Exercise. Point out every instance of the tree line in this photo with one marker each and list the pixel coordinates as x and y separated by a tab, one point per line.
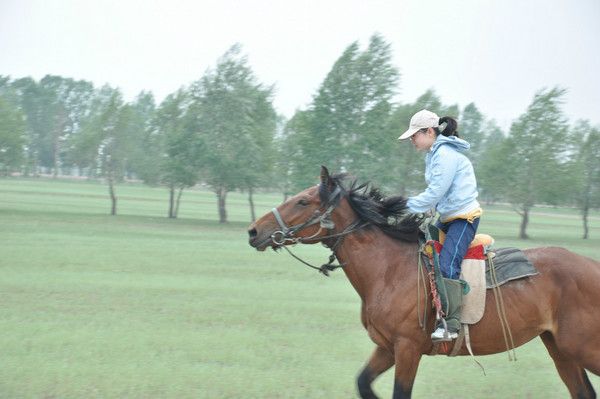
223	131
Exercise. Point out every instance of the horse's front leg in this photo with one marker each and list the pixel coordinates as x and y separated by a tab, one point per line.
407	358
381	360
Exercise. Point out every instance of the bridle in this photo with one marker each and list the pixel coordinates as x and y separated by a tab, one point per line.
287	234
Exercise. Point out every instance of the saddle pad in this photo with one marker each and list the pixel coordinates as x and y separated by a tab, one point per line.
473	306
510	264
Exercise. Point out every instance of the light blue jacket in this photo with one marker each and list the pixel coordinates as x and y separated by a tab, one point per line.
451	185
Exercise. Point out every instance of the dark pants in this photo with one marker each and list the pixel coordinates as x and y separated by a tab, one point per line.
459	234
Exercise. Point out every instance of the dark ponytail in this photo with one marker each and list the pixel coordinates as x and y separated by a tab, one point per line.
448	126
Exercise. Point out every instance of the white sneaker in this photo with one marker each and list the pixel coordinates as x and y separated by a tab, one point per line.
438	335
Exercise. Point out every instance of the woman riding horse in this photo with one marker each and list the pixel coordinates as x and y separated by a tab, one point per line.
451	191
377	242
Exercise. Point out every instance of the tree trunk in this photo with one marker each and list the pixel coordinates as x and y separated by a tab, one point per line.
111	190
221	196
30	165
585	212
178	201
55	150
251	201
171	202
35	166
59	128
524	221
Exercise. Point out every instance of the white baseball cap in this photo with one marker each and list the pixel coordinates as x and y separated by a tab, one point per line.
420	120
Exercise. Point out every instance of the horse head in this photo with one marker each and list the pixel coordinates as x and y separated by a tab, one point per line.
304	218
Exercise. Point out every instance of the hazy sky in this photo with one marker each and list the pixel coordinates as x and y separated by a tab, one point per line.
495	53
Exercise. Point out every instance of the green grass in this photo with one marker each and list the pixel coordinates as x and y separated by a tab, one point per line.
141	306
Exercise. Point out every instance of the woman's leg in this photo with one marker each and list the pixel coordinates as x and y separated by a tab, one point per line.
459	234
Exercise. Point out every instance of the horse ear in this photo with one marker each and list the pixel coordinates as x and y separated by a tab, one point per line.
326	180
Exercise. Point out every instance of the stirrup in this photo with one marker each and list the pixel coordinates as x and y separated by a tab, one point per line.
443	335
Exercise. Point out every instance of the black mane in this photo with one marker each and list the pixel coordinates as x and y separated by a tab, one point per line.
390	214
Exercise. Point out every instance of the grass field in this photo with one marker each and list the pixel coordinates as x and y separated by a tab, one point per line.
141	306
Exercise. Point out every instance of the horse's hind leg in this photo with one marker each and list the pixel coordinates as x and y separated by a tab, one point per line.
573	375
380	361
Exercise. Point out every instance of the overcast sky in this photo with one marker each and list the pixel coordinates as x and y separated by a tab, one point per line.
494	53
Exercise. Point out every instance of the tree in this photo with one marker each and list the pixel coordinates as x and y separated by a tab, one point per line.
260	155
106	139
143	158
54	109
535	154
12	137
29	99
283	151
235	120
4	84
587	170
471	129
63	103
178	148
347	126
377	81
296	155
493	133
492	177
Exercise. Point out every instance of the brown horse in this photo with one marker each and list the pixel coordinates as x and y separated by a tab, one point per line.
376	241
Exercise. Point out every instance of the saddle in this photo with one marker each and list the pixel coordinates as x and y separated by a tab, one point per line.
484	268
481	269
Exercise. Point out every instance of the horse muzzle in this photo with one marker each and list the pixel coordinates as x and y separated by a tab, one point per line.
259	240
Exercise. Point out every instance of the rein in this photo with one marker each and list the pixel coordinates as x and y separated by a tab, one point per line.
329	266
287	234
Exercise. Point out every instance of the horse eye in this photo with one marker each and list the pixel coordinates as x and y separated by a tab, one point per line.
303	202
